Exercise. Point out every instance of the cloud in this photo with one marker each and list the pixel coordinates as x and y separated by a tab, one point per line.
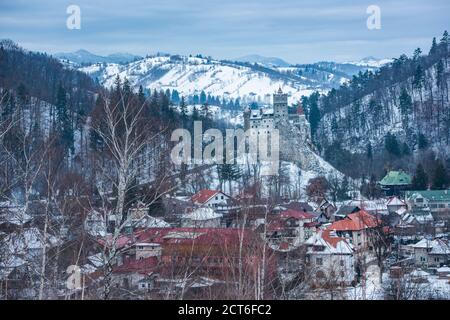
296	30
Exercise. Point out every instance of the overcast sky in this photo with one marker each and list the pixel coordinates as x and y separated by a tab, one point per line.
299	31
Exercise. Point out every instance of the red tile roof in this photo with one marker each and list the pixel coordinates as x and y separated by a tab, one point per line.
355	221
196	235
332	240
311	224
203	195
145	266
300	215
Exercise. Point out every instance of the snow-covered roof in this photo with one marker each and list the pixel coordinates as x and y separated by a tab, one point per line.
401	211
332	245
419	273
201	214
378	205
395	201
152	222
443	269
437	246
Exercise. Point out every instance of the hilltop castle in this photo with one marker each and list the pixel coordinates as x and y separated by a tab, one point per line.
265	119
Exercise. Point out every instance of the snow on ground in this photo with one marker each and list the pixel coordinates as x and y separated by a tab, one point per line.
190	75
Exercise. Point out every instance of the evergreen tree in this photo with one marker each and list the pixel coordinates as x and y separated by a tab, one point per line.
141	96
417	54
419	78
420	179
314	113
440	177
195	115
63	121
183	108
444	43
406	151
440	71
202	97
175	97
369	151
434	47
205	111
422	141
391	144
405	102
195	99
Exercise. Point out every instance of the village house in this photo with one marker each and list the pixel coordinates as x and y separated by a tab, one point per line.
437	201
354	227
168	254
290	228
394	204
431	253
330	259
343	211
325	210
203	217
219	201
395	182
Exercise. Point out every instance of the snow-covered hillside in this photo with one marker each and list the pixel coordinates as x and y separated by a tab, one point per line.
191	75
371	62
370	118
230	79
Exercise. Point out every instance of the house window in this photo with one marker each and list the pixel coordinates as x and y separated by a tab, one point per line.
422	259
342	274
221	197
341	263
319	261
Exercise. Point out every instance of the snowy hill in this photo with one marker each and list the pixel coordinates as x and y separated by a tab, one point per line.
191	75
371	62
253	78
86	57
265	61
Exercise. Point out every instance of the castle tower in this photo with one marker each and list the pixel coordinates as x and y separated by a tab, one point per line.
280	105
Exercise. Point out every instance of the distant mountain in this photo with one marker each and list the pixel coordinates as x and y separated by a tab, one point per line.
192	75
328	73
85	57
371	62
265	61
248	81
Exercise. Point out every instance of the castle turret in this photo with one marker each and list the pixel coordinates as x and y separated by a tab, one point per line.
280	105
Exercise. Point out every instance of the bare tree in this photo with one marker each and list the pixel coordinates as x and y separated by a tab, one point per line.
126	134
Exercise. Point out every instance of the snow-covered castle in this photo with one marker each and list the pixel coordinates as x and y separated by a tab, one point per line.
265	119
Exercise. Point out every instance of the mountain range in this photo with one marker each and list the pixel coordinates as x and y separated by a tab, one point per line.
85	57
249	78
